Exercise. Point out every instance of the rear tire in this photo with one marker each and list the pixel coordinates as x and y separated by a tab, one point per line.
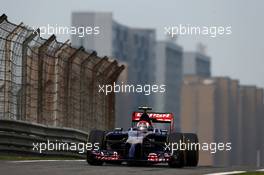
95	136
177	160
192	155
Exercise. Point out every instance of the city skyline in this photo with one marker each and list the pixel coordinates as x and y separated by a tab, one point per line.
238	56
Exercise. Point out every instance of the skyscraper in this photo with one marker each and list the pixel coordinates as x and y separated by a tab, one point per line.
135	46
196	63
220	110
169	72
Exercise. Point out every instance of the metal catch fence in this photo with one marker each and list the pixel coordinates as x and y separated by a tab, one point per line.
52	83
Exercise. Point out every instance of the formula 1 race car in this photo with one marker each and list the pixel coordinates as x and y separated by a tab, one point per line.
144	143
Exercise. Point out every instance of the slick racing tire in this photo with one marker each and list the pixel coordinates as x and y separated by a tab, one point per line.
177	160
192	154
95	136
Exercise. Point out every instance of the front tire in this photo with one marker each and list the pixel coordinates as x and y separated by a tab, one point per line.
192	155
95	136
177	160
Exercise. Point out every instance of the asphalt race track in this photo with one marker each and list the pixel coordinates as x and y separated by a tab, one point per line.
77	167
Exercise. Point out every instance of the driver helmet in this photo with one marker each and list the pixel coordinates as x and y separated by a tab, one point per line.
143	125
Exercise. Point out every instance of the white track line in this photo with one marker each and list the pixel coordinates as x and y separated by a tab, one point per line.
226	173
260	170
32	161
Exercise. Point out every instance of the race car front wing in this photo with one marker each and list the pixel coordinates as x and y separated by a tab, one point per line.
111	156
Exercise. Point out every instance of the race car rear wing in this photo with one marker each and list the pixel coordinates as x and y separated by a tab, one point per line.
154	116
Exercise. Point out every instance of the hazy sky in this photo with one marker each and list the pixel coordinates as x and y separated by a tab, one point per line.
240	55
